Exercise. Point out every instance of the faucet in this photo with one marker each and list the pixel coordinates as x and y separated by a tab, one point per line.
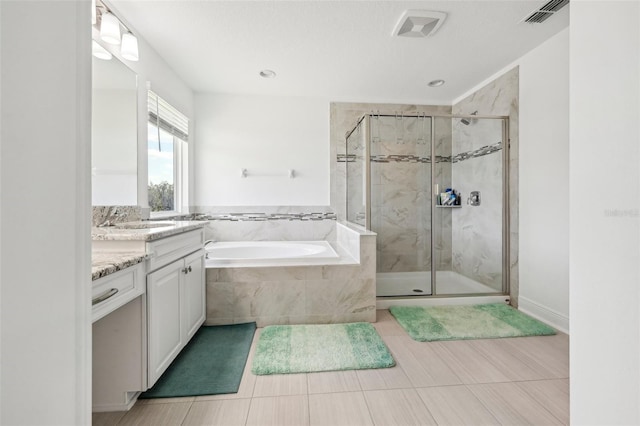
206	243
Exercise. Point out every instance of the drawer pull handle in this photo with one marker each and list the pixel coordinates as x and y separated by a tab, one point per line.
104	296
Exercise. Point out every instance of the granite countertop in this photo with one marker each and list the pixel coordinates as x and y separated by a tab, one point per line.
144	231
105	263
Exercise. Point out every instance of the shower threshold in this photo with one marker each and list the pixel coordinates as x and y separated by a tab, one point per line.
419	284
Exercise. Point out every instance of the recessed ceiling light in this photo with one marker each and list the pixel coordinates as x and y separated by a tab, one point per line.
267	74
436	83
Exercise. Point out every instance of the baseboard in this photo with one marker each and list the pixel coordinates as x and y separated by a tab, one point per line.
126	406
544	314
386	302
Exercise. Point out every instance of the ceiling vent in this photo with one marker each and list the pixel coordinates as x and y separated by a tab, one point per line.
418	23
546	11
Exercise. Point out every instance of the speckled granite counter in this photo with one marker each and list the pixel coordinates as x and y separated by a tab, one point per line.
138	231
108	257
105	263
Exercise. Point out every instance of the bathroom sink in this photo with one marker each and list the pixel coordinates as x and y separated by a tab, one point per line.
143	225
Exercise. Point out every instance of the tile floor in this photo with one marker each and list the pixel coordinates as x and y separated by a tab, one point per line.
474	382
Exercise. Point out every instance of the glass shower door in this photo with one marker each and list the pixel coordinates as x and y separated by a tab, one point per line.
400	178
469	205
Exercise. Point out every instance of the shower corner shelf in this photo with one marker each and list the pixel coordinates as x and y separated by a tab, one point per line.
448	207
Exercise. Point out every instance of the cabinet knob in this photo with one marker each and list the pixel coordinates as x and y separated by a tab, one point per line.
189	268
185	270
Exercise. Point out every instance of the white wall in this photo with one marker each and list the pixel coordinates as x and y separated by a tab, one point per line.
544	181
267	135
604	184
45	213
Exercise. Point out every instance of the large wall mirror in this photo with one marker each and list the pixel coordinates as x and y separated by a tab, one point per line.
114	134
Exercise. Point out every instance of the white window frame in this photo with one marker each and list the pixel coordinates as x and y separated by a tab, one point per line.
180	161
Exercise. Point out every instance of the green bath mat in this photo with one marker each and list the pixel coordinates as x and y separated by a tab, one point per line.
286	349
427	324
212	363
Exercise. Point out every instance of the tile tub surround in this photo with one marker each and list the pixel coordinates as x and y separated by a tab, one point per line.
317	294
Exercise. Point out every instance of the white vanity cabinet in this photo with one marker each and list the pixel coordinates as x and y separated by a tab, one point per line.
175	297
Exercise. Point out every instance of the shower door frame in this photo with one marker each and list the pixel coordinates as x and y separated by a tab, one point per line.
506	210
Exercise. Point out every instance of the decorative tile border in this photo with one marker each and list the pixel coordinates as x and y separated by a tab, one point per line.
480	152
485	150
262	217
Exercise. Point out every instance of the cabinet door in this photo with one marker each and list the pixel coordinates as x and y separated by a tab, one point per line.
164	322
193	295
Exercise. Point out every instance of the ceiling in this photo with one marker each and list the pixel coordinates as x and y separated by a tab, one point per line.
340	50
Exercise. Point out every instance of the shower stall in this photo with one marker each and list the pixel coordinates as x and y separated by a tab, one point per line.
435	190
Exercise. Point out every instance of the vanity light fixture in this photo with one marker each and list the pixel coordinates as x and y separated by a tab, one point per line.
100	52
267	74
110	28
436	83
129	48
110	32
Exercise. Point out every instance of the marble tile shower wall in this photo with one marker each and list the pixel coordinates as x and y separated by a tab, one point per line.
343	118
401	194
477	231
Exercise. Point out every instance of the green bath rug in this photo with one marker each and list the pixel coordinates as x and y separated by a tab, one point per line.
212	363
286	349
428	324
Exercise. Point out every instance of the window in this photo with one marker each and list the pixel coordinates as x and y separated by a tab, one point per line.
167	154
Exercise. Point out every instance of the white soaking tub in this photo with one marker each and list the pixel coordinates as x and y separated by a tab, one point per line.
241	252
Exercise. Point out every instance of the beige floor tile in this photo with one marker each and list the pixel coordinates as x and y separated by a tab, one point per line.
387	325
456	405
383	378
548	355
279	411
398	407
552	395
227	412
280	384
468	363
422	365
170	414
336	409
506	358
107	419
333	381
511	405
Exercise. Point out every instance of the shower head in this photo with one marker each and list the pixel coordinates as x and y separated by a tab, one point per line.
467	121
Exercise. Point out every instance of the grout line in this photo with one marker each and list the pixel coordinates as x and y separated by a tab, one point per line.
187	413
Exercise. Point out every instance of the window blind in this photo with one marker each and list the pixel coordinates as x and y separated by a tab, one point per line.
169	119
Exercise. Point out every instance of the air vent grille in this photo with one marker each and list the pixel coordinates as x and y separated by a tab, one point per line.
555	5
546	11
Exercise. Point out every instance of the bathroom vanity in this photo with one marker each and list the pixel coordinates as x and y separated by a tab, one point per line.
148	302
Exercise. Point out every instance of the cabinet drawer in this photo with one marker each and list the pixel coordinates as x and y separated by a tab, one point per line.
113	291
164	251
